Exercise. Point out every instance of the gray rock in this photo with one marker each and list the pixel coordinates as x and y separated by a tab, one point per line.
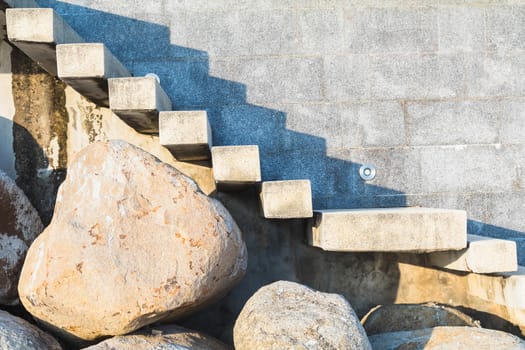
287	315
17	334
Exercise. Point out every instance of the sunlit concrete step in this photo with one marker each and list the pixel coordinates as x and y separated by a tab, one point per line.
37	31
389	230
286	199
138	102
87	68
187	134
482	255
235	167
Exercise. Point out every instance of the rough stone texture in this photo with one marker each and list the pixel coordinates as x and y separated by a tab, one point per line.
235	166
482	255
447	338
407	317
19	226
16	333
161	337
389	230
99	251
286	199
187	134
287	315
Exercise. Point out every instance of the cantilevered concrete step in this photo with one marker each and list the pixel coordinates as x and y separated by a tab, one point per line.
286	199
187	134
389	230
235	167
482	255
138	102
37	31
87	68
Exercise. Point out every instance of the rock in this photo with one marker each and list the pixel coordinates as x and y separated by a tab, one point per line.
444	338
162	337
16	333
132	241
19	226
286	315
407	317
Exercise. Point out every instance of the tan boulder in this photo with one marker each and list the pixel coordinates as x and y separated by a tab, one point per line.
447	338
16	333
132	241
287	315
19	226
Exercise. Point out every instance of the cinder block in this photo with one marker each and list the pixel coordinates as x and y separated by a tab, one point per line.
461	28
504	27
37	31
235	167
389	230
187	134
138	102
86	68
286	199
482	255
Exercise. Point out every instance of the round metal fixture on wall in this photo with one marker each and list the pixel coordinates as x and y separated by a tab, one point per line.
367	172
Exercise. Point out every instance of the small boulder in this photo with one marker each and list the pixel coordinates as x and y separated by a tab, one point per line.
132	241
440	338
407	317
19	226
16	333
161	337
287	315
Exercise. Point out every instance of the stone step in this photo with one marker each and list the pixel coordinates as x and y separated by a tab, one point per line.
286	199
482	255
87	68
235	167
415	230
138	101
187	134
37	32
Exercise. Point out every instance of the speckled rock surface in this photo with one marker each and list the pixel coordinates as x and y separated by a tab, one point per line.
447	338
132	241
288	315
16	333
19	226
161	337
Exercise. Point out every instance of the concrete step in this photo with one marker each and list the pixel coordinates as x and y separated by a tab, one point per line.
286	199
138	102
37	32
235	167
87	68
415	230
187	134
482	255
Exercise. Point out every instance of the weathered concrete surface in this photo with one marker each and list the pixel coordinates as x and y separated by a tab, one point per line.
235	167
447	338
286	199
19	226
16	333
187	134
37	31
407	317
389	230
482	255
86	68
101	273
161	337
285	315
138	101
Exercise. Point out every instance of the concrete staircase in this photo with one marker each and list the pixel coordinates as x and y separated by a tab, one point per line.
94	72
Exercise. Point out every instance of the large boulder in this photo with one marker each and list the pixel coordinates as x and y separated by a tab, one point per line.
445	338
132	241
19	226
16	333
287	315
161	337
407	317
